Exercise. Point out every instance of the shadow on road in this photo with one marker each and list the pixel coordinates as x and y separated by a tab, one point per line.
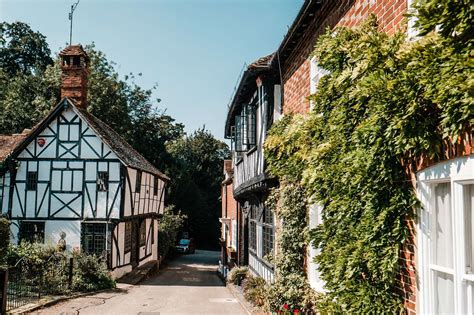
199	269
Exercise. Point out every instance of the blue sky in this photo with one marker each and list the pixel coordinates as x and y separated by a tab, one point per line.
193	49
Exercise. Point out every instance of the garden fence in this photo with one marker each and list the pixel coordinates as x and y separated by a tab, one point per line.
27	282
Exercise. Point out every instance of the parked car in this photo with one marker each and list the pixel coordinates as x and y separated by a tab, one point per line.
186	246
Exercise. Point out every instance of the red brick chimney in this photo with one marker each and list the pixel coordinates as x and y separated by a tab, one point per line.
74	66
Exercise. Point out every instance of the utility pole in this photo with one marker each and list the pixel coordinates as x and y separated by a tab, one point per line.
73	8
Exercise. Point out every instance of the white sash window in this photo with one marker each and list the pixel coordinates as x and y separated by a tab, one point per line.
445	258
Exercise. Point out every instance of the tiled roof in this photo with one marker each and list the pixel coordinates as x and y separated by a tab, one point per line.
125	152
73	50
263	62
9	143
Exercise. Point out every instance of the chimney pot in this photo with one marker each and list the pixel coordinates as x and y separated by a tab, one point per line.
74	72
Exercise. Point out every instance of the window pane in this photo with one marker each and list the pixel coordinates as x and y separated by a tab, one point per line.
442	254
468	297
444	293
469	227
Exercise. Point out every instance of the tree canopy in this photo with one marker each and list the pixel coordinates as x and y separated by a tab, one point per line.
195	190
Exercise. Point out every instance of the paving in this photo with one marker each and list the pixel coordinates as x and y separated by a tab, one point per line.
187	285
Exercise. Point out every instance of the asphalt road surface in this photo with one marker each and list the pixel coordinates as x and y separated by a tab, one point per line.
187	285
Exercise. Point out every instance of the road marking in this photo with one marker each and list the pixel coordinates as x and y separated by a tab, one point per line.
223	300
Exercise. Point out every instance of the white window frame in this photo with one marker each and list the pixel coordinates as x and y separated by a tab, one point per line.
315	219
458	172
234	234
316	73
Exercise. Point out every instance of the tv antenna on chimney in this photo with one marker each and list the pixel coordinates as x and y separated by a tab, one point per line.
73	8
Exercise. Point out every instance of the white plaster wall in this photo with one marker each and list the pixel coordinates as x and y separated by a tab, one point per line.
72	229
41	202
145	201
156	244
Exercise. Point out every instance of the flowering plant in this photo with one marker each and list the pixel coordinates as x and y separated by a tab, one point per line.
287	310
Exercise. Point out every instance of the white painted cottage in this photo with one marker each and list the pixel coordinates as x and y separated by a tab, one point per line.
72	173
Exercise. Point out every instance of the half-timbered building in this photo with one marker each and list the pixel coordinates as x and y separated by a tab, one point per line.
74	177
250	115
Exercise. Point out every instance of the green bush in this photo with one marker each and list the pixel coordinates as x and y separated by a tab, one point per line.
4	239
237	274
255	291
90	273
168	229
42	265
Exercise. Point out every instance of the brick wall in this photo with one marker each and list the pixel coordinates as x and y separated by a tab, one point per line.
296	67
229	206
406	279
74	84
296	89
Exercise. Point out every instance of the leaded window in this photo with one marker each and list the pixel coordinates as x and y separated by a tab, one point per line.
253	229
138	182
267	231
251	124
253	235
238	141
143	233
32	181
128	237
32	232
152	232
102	181
155	185
94	238
267	239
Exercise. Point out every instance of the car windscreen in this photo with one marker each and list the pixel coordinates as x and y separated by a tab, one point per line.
184	242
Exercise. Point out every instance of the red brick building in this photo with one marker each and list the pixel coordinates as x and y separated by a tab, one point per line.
425	285
313	19
230	230
300	76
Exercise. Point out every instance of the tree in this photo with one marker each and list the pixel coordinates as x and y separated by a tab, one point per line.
26	87
195	188
22	49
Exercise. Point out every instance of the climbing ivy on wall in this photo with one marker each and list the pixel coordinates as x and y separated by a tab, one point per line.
291	286
385	102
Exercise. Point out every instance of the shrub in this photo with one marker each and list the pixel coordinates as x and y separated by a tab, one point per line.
168	230
90	273
237	274
255	291
42	265
4	239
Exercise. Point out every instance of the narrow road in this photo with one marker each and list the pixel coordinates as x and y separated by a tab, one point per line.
187	285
